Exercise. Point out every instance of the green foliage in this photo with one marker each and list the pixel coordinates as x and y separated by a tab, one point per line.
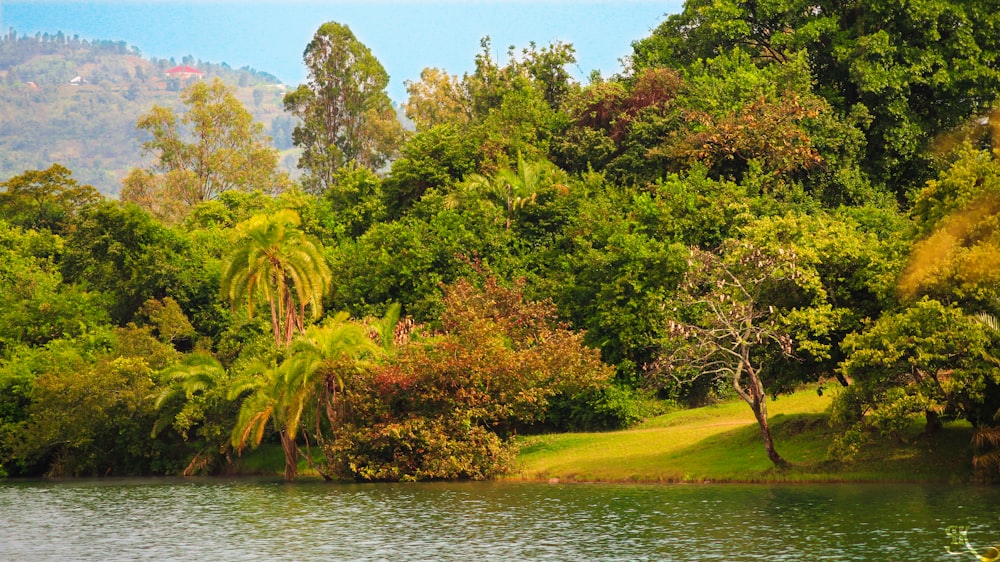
90	409
35	305
356	200
124	253
346	115
45	199
929	359
301	392
912	70
606	408
436	158
274	262
229	151
422	448
408	260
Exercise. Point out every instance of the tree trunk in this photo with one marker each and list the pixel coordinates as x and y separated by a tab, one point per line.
291	455
758	403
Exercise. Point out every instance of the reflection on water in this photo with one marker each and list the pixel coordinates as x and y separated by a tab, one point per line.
266	520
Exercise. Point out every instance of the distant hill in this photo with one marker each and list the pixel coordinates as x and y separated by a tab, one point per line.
75	102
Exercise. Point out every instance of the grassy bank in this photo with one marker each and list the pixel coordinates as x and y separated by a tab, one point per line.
721	443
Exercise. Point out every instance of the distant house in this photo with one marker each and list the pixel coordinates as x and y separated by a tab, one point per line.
184	72
78	80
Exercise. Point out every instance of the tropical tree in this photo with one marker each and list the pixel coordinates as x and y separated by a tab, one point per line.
316	368
346	114
303	388
513	189
194	401
276	263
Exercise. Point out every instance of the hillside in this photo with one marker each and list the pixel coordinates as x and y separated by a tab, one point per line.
75	102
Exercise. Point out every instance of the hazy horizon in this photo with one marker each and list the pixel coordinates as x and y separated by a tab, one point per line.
406	36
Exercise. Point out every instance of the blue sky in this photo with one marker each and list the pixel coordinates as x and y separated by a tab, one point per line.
406	36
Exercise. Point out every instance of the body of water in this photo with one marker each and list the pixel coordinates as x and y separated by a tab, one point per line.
475	521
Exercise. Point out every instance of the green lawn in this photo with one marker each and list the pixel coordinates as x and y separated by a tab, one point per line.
722	443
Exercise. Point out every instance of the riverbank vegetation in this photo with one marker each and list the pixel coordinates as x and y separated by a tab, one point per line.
765	198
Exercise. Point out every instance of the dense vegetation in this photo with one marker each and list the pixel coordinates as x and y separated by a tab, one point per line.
769	195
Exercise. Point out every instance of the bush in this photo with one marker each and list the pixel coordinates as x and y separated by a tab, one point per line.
605	408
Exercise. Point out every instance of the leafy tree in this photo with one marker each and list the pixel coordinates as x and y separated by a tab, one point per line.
356	200
123	252
346	114
929	360
91	408
36	306
855	255
612	274
735	321
167	321
276	263
437	158
911	70
228	151
437	99
45	199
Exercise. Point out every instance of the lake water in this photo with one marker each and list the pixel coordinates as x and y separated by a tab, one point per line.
268	520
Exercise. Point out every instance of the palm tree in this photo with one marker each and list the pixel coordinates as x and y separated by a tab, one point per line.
264	404
513	189
304	387
196	374
191	387
986	438
275	262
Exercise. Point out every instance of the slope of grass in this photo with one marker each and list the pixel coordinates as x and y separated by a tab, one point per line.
722	443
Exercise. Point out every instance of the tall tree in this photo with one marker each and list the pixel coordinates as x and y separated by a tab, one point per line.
438	98
228	151
346	114
275	262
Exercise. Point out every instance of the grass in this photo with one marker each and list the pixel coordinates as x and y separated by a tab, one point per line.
268	459
721	443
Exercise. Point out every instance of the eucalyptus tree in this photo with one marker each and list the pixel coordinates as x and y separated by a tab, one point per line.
277	263
346	115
